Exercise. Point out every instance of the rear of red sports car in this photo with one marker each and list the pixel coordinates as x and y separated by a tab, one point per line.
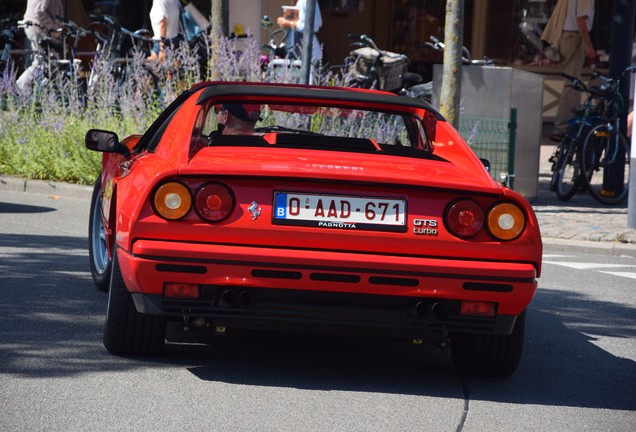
382	223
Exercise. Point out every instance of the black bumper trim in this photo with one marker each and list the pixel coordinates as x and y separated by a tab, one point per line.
326	312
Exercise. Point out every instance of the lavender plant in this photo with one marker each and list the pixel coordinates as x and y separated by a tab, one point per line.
42	128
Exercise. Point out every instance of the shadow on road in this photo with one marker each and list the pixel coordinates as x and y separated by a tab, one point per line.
51	319
561	364
23	208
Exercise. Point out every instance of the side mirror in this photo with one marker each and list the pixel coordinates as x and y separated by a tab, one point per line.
486	163
266	21
104	141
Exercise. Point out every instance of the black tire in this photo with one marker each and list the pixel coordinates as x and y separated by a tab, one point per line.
568	179
606	167
128	332
554	168
489	355
99	258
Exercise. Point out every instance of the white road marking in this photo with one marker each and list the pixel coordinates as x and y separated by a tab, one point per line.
586	266
621	274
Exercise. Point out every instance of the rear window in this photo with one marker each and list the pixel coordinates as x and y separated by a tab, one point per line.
322	127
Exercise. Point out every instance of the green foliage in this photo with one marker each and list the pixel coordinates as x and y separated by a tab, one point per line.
42	128
49	144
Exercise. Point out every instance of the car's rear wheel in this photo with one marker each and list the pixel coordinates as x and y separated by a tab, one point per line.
128	332
489	355
100	260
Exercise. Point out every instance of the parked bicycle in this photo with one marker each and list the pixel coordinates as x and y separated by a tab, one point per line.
118	49
467	58
56	63
593	154
281	63
372	67
425	91
605	153
8	42
566	164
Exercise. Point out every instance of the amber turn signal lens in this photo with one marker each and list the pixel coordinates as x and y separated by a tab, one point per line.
172	200
465	218
506	221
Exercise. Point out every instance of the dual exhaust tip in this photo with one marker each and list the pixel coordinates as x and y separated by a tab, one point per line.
245	298
436	309
231	298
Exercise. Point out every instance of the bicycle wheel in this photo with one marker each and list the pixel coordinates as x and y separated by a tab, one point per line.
555	158
568	179
605	162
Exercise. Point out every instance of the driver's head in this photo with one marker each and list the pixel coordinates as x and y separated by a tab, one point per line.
244	112
238	119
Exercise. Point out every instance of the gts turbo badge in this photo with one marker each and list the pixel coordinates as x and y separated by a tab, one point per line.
425	227
254	210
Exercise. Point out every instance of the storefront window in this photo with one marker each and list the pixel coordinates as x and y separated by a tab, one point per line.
507	31
514	30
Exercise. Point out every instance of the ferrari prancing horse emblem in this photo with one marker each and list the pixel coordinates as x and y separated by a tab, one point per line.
254	210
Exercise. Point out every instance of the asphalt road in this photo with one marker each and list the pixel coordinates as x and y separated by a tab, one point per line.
578	371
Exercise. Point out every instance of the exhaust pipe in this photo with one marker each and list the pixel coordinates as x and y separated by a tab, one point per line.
439	309
228	298
420	308
245	299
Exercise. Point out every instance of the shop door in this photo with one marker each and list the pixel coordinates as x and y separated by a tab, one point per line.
339	19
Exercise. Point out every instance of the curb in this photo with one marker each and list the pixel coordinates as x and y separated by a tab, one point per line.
17	184
612	247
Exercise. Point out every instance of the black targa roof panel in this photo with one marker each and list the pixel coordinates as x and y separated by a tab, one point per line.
310	92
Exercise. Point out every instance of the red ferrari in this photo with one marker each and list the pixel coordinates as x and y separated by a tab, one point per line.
310	209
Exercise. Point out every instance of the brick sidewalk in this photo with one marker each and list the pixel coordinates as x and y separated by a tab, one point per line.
581	218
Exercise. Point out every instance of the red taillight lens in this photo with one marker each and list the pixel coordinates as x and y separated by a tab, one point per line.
172	200
464	218
214	202
475	308
180	290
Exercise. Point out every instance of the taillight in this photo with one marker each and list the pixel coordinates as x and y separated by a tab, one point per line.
180	290
213	202
476	308
506	221
464	218
172	200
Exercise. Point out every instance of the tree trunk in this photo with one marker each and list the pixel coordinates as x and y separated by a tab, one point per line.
450	95
216	30
216	13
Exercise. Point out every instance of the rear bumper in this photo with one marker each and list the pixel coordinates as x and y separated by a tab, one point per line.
265	287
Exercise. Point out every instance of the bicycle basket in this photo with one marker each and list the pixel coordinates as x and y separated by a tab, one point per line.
390	68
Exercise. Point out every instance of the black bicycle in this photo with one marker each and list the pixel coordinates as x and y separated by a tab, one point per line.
605	152
566	162
373	67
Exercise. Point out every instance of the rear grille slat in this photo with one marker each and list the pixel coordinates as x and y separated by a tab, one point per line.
331	309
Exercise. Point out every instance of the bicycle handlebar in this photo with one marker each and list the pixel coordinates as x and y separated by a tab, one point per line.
437	45
366	40
26	23
595	91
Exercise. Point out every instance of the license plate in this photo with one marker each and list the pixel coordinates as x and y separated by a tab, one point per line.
339	211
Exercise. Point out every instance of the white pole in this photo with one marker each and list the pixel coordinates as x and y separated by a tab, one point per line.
631	200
